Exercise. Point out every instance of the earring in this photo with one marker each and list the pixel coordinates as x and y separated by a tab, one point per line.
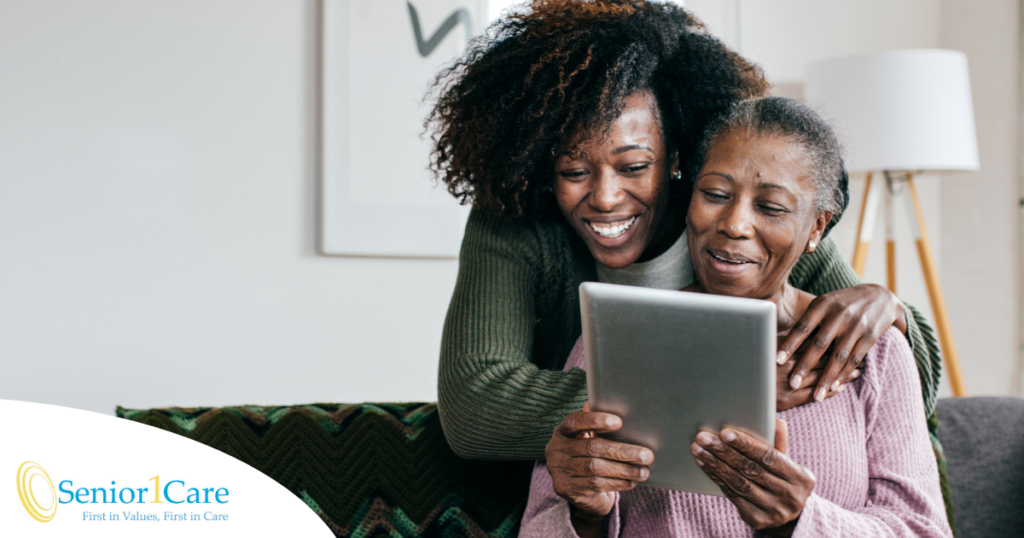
677	175
810	247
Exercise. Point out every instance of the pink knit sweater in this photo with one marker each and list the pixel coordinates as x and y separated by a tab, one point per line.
868	448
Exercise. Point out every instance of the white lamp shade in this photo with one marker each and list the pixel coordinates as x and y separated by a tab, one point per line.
899	110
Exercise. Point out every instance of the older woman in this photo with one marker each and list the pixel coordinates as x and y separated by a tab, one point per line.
522	128
859	464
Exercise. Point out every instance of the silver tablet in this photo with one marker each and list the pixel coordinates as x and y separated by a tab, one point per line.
671	363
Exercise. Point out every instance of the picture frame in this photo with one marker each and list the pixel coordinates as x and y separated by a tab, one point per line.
378	60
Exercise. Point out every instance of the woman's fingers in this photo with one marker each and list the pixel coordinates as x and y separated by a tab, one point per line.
768	457
810	380
584	421
851	370
841	354
793	398
734	483
765	511
852	319
587	470
584	467
768	488
803	328
587	485
803	396
824	320
600	448
573	439
874	315
751	469
744	505
781	436
786	397
820	342
849	352
784	370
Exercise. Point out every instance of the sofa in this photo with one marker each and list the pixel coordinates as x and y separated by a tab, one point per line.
983	439
386	470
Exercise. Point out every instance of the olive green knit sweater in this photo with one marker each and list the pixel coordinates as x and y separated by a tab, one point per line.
515	316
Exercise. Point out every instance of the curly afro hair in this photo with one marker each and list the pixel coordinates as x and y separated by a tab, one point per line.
543	74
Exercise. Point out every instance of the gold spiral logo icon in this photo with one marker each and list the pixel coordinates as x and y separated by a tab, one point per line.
28	473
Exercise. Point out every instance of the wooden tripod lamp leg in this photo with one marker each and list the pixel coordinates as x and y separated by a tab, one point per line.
931	278
890	240
865	227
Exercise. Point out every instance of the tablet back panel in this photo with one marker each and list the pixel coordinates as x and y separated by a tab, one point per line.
672	363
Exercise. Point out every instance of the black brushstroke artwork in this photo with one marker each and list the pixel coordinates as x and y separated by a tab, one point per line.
428	46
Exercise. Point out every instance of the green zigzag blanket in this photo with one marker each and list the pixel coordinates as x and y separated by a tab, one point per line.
368	470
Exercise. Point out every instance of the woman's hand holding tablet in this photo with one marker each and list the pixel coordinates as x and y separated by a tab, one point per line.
767	487
587	470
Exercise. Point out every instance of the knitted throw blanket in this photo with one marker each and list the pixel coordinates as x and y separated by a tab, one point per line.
366	469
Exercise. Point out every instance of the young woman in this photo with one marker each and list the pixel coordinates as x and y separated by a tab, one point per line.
522	128
859	464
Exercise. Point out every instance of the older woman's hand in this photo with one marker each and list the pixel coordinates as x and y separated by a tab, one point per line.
588	470
767	487
849	321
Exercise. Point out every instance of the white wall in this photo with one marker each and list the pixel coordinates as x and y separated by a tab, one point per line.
981	239
157	218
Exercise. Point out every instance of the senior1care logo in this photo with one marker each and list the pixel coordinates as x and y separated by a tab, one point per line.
32	478
69	482
41	498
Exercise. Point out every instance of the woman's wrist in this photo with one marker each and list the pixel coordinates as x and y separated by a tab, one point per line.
586	524
783	531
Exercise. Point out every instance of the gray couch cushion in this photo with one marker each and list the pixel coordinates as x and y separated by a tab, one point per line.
984	443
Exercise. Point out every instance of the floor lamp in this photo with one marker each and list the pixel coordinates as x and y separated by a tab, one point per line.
901	112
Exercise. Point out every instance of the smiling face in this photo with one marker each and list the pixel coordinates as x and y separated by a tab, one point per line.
613	189
752	214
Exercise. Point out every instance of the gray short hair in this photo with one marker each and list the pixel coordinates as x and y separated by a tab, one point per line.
792	119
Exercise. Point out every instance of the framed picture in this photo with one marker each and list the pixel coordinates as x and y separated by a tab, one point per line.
379	58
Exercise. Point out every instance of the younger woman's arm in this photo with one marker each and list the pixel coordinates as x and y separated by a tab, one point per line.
494	403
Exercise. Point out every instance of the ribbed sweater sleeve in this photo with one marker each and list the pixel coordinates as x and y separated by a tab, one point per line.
826	271
493	401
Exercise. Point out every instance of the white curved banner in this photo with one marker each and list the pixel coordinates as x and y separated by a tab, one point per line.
67	472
